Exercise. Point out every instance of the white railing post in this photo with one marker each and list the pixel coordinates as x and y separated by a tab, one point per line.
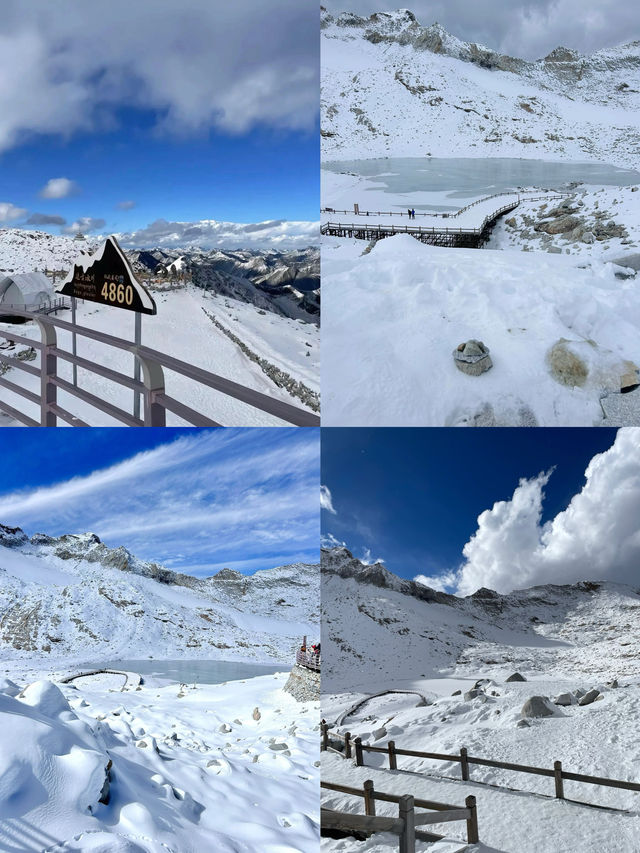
48	369
153	380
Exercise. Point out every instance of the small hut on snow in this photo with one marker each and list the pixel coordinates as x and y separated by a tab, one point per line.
28	291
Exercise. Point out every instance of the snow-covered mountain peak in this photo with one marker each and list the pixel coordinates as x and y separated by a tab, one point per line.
393	87
74	597
588	626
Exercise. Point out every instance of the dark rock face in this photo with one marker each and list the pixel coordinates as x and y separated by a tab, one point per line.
227	575
539	706
12	537
516	677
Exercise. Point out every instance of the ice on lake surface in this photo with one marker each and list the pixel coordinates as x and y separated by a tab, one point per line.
193	671
468	177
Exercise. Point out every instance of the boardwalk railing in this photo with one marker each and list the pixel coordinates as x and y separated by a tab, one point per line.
152	387
465	760
50	306
309	659
447	214
405	824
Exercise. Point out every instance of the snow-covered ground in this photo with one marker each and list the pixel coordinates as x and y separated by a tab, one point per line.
381	633
164	768
183	330
152	765
394	315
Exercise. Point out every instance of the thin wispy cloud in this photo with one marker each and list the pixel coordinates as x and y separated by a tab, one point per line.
243	499
326	501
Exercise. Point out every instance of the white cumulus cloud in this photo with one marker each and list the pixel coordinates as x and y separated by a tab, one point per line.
9	212
59	188
596	538
86	224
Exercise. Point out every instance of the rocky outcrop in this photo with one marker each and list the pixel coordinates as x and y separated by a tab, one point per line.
303	684
12	537
539	706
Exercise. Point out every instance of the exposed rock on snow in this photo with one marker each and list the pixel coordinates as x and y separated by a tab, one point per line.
566	367
472	357
515	677
589	697
539	706
565	699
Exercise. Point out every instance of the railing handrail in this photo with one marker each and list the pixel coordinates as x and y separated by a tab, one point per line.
522	196
153	364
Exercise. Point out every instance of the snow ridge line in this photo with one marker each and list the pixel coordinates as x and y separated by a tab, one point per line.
278	377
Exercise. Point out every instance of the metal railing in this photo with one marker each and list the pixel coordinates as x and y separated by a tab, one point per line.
156	402
309	659
50	306
447	215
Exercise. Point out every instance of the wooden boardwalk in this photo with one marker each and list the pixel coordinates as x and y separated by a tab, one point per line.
471	231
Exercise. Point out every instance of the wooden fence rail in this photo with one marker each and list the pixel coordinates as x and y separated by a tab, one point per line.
465	760
407	821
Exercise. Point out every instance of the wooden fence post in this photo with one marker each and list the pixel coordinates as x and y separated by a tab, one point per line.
369	798
557	772
358	742
407	815
392	755
464	764
325	736
347	744
472	820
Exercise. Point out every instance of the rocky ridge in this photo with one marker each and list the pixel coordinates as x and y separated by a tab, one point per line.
392	86
73	596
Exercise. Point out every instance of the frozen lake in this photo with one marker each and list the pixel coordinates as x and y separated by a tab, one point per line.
466	177
193	671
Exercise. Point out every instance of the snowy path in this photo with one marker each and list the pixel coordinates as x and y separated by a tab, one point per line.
509	821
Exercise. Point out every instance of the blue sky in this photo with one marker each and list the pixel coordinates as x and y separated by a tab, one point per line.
211	114
193	500
412	497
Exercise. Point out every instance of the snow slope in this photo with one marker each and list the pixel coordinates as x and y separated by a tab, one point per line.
394	313
381	632
391	86
161	769
70	599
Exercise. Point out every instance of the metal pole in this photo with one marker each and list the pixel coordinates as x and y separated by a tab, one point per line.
136	365
73	340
